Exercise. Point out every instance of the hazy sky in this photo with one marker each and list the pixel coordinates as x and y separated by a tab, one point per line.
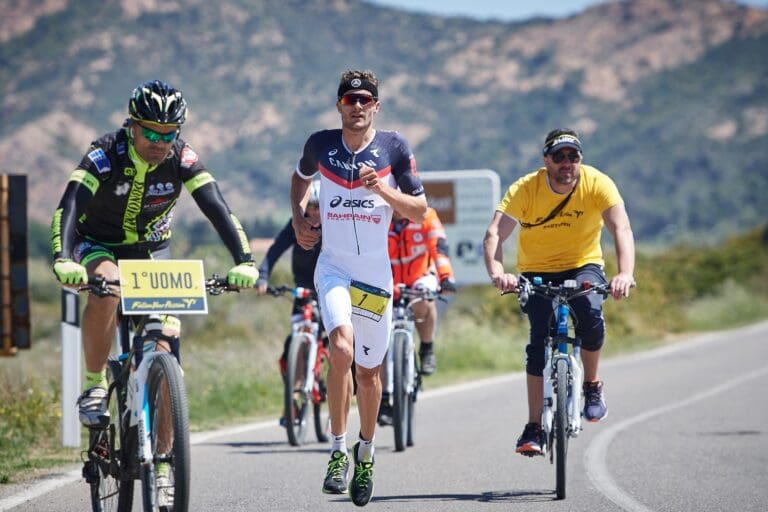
507	10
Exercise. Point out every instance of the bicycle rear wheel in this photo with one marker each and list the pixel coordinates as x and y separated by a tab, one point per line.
400	395
106	455
297	402
319	398
561	431
169	423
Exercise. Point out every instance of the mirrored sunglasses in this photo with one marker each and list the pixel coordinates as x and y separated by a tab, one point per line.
351	99
153	136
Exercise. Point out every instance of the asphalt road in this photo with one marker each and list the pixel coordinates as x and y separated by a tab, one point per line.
687	431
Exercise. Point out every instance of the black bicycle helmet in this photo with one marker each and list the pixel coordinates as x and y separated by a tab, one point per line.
157	102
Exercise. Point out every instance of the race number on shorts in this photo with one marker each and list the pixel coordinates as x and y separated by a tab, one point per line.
368	301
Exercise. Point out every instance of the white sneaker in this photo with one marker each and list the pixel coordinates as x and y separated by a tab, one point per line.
92	405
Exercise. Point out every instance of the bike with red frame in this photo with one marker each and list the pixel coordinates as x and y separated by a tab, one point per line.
306	365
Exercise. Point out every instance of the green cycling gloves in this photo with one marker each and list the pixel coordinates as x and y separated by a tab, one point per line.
69	272
243	275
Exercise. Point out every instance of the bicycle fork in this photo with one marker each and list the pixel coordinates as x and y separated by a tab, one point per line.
575	383
406	329
575	376
138	406
575	370
137	400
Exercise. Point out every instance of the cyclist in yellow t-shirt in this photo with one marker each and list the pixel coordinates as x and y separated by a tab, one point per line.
561	209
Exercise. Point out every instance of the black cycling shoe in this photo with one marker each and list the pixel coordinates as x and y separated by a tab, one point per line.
428	362
531	442
385	414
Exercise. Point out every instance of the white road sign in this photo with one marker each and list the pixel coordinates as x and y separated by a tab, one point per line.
465	201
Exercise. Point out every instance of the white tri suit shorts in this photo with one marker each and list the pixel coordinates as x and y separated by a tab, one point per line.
334	273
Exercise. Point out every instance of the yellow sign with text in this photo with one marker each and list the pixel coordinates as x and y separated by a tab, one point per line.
163	286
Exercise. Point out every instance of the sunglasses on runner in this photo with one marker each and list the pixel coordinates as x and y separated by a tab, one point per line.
573	156
351	99
153	136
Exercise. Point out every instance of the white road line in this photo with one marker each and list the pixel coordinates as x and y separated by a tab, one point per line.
594	457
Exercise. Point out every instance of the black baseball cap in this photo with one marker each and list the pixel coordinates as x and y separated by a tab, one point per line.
563	140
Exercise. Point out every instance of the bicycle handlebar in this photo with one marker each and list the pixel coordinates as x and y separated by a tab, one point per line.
306	293
100	286
295	291
421	294
216	285
566	291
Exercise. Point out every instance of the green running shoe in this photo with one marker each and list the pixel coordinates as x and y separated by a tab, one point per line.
361	489
336	477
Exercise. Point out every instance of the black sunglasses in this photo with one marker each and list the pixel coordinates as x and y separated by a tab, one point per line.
573	156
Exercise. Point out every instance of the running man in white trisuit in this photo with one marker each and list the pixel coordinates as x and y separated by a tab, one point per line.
365	174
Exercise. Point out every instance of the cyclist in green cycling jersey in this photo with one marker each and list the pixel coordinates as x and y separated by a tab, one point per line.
561	209
118	204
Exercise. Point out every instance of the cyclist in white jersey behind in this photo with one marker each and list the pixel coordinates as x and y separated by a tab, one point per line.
365	174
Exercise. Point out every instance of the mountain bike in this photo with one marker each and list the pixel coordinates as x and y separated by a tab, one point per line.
403	373
563	371
305	368
147	406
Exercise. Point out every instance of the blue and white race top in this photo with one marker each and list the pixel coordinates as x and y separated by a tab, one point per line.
356	220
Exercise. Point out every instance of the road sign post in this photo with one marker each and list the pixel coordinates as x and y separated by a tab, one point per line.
71	355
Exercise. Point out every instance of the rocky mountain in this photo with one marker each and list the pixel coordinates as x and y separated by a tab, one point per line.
670	96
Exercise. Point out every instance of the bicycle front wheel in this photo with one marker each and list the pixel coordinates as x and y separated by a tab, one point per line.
107	457
165	484
561	431
400	395
297	401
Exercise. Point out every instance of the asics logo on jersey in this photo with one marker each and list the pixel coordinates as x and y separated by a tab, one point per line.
333	152
351	203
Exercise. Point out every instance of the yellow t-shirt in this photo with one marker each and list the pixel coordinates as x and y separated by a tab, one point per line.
572	238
